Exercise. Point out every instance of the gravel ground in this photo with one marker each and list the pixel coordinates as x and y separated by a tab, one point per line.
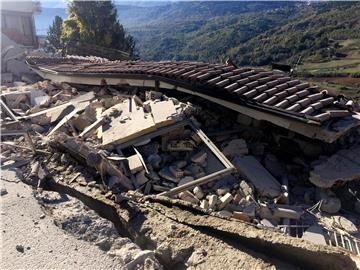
31	240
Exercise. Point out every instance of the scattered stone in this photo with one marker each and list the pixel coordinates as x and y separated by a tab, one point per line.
225	213
225	200
3	192
189	197
344	224
166	174
42	216
213	201
330	203
235	147
199	158
204	204
185	180
20	248
198	192
104	244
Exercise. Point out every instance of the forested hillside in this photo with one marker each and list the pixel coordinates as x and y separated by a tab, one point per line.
254	33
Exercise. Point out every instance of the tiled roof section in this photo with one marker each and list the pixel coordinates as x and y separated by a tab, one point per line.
265	88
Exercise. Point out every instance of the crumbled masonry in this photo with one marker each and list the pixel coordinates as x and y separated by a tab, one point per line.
151	157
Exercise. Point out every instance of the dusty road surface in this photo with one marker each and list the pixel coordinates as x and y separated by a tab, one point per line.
31	240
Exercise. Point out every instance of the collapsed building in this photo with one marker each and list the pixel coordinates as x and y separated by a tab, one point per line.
246	153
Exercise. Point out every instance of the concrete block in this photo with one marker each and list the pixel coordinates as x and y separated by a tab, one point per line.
135	164
225	200
213	199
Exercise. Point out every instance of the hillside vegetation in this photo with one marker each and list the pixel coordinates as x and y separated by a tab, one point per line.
253	33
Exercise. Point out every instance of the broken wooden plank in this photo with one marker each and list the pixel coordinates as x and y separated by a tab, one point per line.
82	151
80	107
251	169
88	131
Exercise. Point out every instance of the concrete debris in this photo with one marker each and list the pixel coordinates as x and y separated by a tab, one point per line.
265	184
128	145
343	166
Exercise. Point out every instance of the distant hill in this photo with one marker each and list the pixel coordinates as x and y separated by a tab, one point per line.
253	33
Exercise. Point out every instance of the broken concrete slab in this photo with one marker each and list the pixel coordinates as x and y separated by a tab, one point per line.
163	112
265	184
235	147
343	166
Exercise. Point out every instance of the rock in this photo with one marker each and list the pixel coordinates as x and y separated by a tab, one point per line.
241	216
235	147
198	192
42	216
340	167
185	180
245	188
141	178
222	191
154	160
3	192
330	203
104	244
20	248
189	197
197	257
213	201
166	174
204	204
225	200
176	171
344	224
180	164
199	158
195	170
225	214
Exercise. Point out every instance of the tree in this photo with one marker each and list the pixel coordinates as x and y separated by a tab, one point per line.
53	38
95	23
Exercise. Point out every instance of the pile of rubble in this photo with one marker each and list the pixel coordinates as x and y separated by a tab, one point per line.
122	142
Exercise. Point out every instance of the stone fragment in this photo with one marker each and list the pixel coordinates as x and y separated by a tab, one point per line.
213	199
195	170
189	197
198	192
344	224
3	192
315	234
241	216
267	223
343	166
180	164
154	160
135	164
222	191
245	188
166	174
329	202
175	171
251	169
141	178
199	158
235	147
204	204
185	180
20	248
225	214
225	200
